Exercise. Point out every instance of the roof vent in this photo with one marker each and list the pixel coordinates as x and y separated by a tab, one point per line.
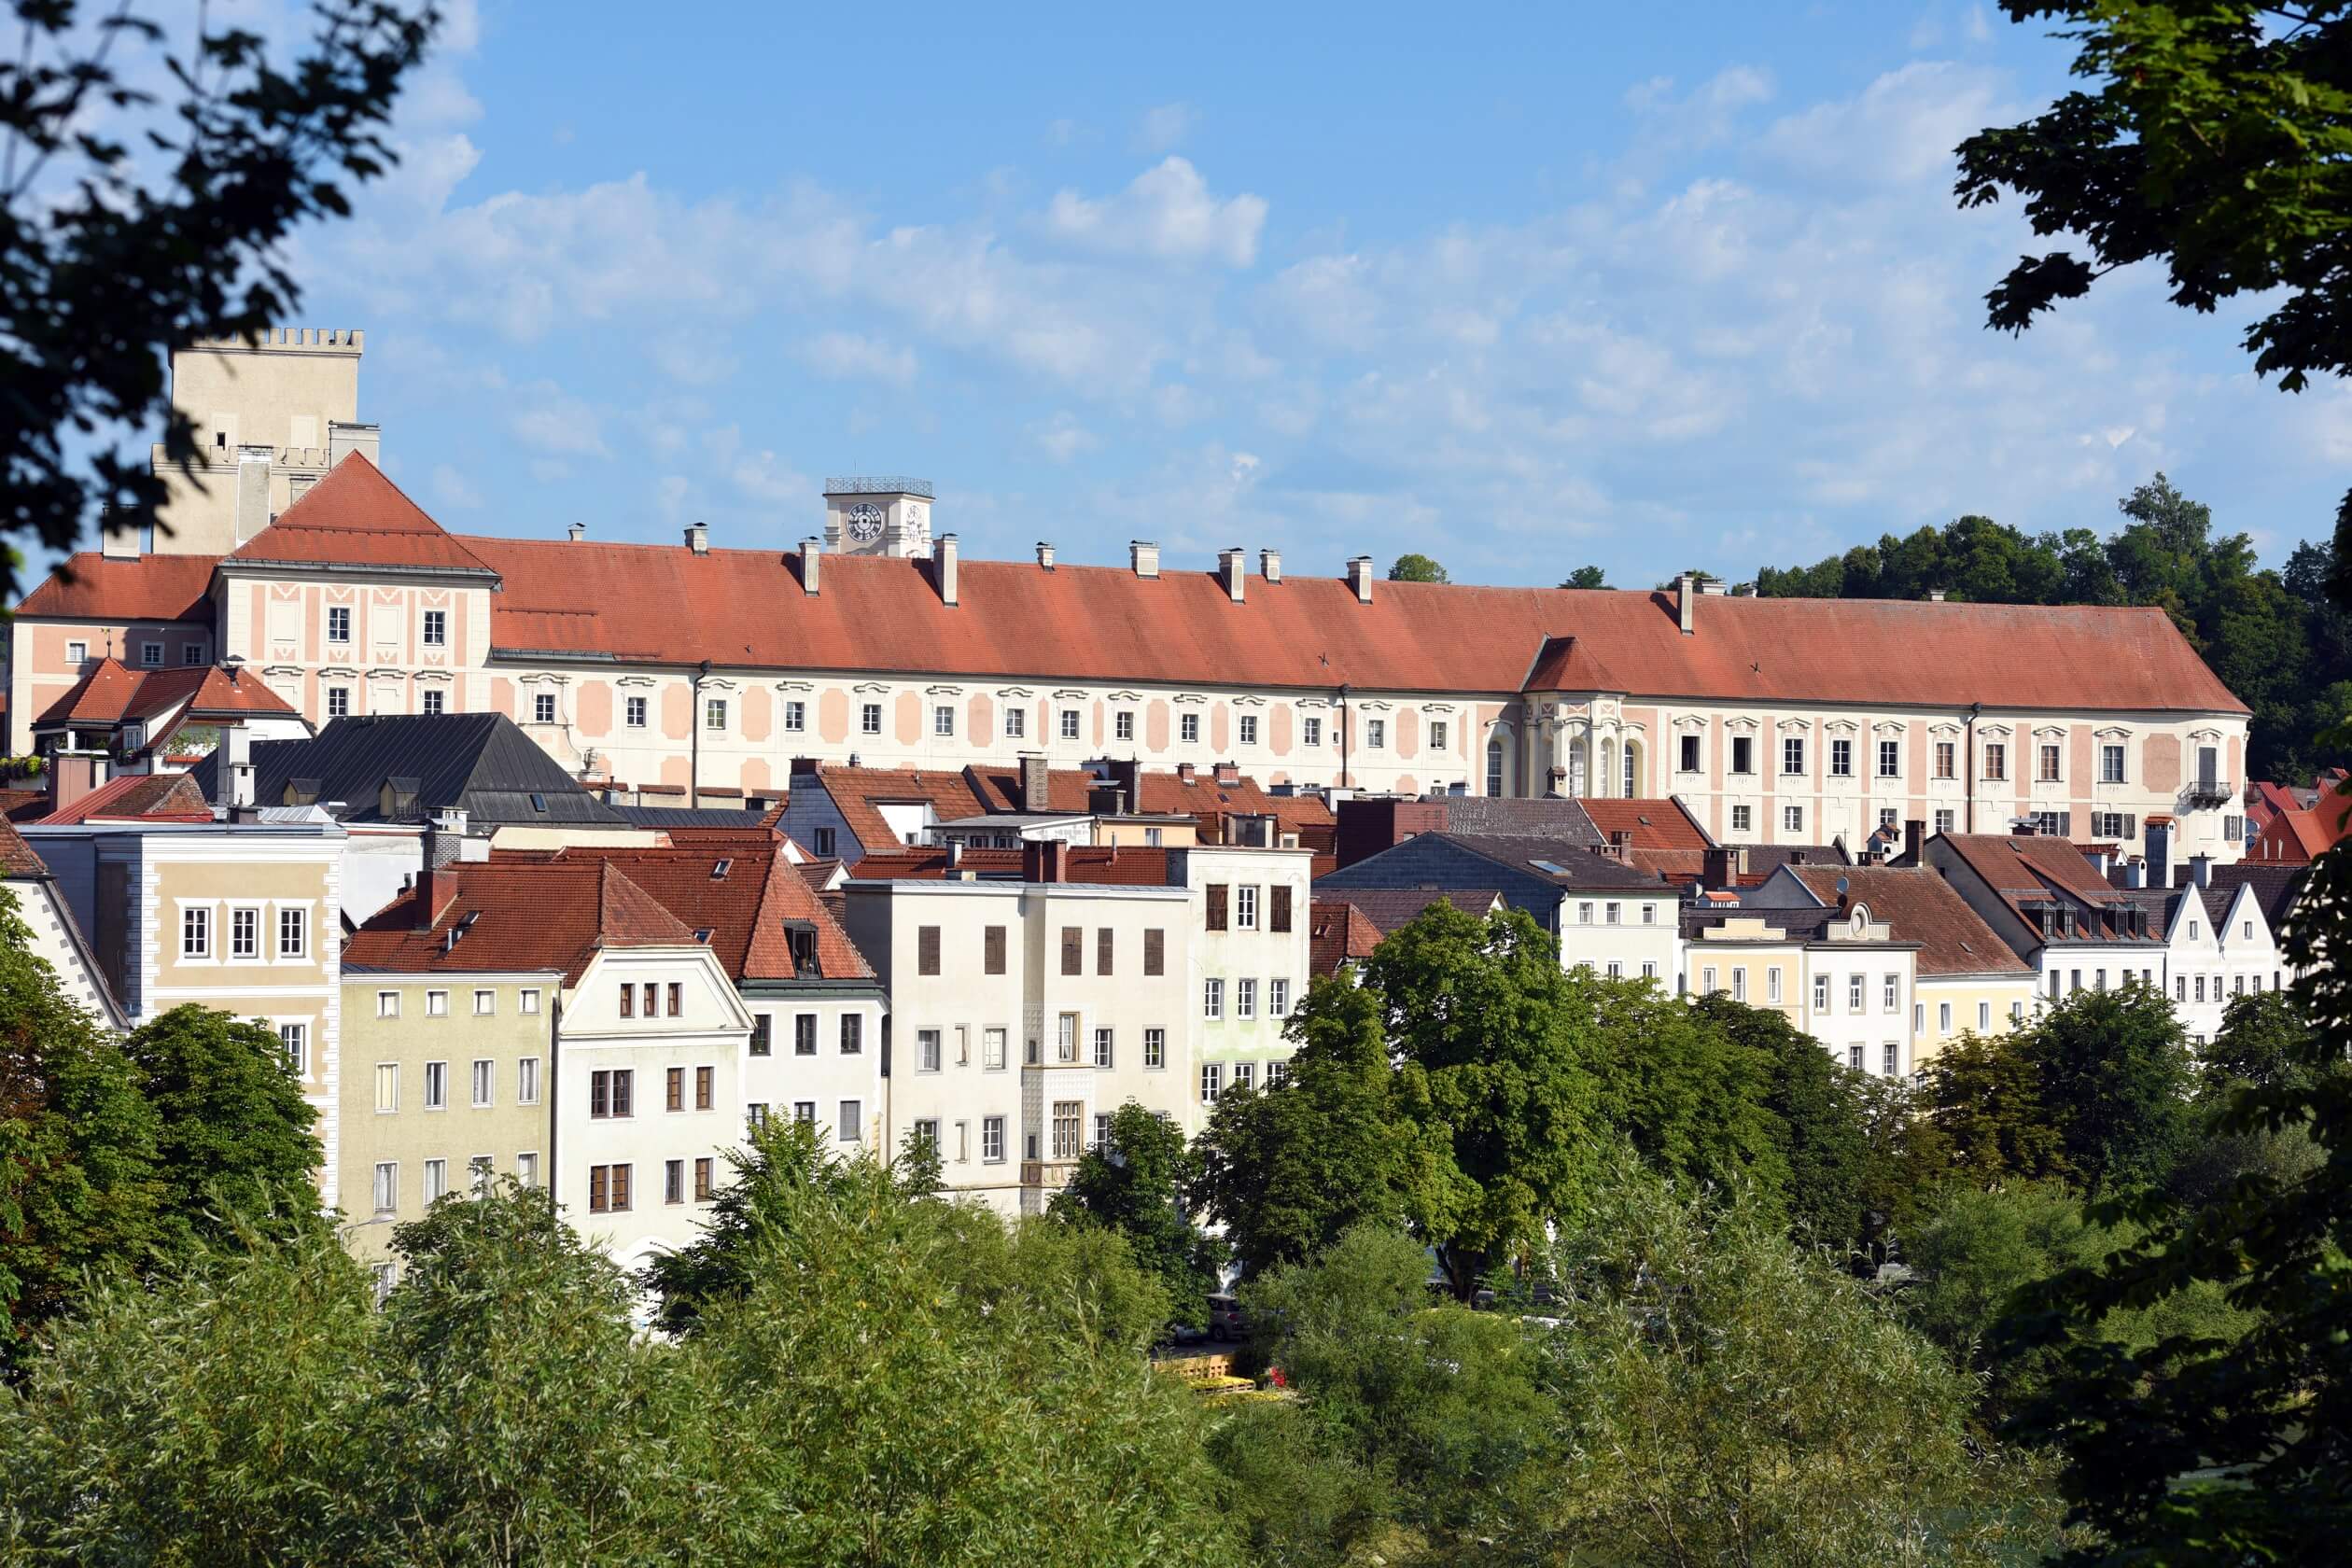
578	532
698	537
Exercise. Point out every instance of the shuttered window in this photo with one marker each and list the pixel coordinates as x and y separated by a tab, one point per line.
1155	951
927	949
1102	950
1216	906
1278	913
1073	949
992	950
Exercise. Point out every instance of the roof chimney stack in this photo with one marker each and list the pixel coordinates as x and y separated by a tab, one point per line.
578	532
232	778
811	559
1045	553
1036	795
253	490
1915	838
1229	569
345	436
944	569
1144	555
1687	600
1270	564
698	537
2158	841
1935	595
1360	578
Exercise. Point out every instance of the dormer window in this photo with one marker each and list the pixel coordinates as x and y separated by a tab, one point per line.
803	936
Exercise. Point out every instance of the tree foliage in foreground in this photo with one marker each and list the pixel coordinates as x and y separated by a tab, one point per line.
1135	1185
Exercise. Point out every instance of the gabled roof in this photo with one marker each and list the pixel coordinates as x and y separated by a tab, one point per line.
1565	865
482	763
517	917
1434	862
1338	933
153	797
741	889
1920	906
1388	909
356	516
860	794
1014	619
18	860
2275	888
2306	833
91	586
1553	816
100	697
1654	824
111	693
2037	869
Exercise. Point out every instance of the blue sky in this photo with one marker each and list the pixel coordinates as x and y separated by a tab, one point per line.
1521	288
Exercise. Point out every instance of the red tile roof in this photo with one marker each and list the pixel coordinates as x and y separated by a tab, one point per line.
90	586
1014	619
2301	835
1337	932
153	797
1922	908
2032	868
859	795
358	516
112	692
1654	824
1123	865
528	918
17	858
102	697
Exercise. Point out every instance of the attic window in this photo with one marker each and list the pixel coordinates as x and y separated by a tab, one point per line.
539	804
1556	870
803	936
718	868
702	935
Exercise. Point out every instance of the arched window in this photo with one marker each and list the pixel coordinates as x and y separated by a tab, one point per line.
1607	770
1495	758
1632	770
1576	768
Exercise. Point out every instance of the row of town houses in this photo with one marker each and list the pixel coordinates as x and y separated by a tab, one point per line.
572	860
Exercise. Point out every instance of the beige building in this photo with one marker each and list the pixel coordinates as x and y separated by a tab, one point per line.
448	1075
1842	975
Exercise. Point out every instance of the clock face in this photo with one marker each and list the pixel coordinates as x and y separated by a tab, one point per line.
864	522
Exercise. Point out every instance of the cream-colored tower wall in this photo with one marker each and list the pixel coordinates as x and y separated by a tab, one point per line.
286	393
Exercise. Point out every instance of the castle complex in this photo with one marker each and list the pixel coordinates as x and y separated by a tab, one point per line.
294	553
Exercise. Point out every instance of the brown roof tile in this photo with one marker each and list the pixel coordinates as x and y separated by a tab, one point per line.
356	515
155	797
524	918
112	692
1654	824
90	586
1922	908
1338	933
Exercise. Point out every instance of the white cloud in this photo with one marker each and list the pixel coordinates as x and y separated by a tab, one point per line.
452	490
1901	131
558	424
1061	438
1162	127
1168	212
854	356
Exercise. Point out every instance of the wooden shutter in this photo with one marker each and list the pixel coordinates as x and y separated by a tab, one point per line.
1073	949
2131	824
1278	915
927	949
1216	906
1155	951
992	950
1102	949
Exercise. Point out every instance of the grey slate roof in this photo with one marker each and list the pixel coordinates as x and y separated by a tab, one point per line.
1554	817
1390	907
688	816
482	763
2275	888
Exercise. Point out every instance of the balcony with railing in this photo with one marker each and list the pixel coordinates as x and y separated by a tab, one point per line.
2205	794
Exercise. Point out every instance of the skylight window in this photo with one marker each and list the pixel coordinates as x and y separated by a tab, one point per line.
539	802
718	868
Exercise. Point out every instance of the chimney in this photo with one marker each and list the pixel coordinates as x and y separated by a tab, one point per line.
118	544
1935	595
253	491
698	537
1184	773
233	778
1228	773
1717	864
1686	599
73	775
1106	800
1915	839
1036	783
1270	564
804	767
344	437
1229	568
955	852
1360	578
1045	553
944	569
437	887
2160	852
811	559
1144	555
1044	860
578	532
2201	870
1128	773
445	839
2135	873
1621	847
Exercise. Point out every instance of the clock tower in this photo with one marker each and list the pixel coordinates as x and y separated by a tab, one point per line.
877	515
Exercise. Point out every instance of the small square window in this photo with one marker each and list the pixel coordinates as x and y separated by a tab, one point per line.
1374	734
1016	723
715	713
435	700
1437	734
795	714
942	720
339	624
337	702
543	708
1188	729
1123	724
436	628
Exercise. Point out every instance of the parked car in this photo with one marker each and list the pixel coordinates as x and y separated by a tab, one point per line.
1224	1319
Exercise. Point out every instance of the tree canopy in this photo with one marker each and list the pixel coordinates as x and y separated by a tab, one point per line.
1415	568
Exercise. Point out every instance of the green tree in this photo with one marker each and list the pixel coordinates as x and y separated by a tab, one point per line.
2263	1040
1982	1117
1414	567
1819	1122
1134	1184
1587	577
78	1143
1682	1085
129	224
2116	1077
232	1131
1285	1170
1732	1397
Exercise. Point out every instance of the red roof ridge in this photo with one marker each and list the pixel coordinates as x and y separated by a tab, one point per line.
356	497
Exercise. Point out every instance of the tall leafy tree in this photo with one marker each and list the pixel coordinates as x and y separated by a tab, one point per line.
1819	1120
1587	577
1415	568
233	1131
1983	1118
2116	1078
1134	1184
132	221
1685	1085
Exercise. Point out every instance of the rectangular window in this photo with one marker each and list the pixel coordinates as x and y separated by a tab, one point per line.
387	1099
1943	1017
543	708
795	714
2111	765
714	713
1891	994
1213	999
704	1187
1890	759
1583	912
1739	981
196	934
1853	993
674	1180
337	702
1310	732
1947	760
852	1033
1984	1016
295	1038
526	1170
1943	822
992	1140
1892	1056
437	1004
870	719
1211	1081
1123	724
942	718
1995	760
1853	1057
1841	758
1707	981
1278	998
763	1036
611	1092
927	1050
1245	908
1073	949
1249	730
1070	723
628	999
437	628
1742	754
1188	729
1743	819
2048	771
1101	1130
1276	1074
1612	914
526	1081
1821	993
1213	912
1066	1036
992	950
1792	755
388	1188
1686	760
77	654
1155	951
1245	998
927	949
1772	984
486	1003
436	1085
339	624
1102	1047
633	711
434	701
992	1050
245	933
851	1128
1437	734
1616	972
483	1068
674	1089
150	655
1016	723
1374	734
1104	950
1792	818
1279	907
1155	1047
608	1189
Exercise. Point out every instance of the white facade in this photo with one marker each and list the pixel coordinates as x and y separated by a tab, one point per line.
1248	960
1623	934
813	1051
2208	964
